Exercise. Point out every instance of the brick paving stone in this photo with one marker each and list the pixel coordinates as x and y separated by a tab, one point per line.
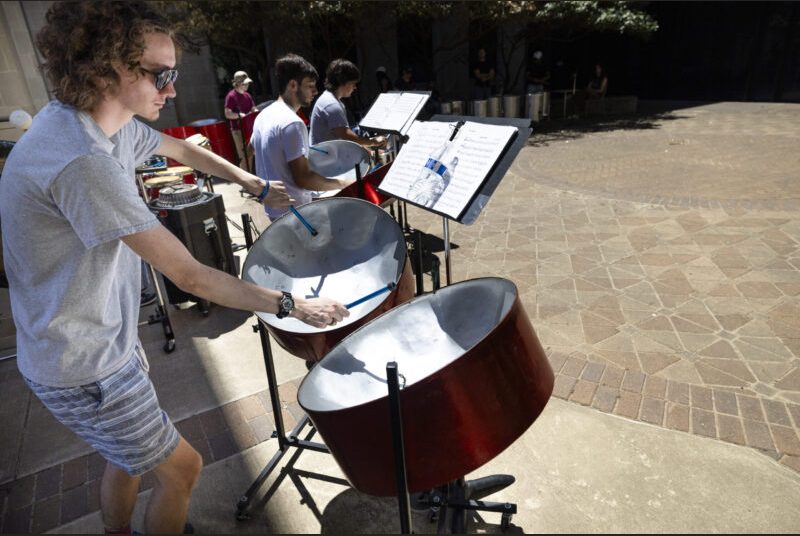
20	493
757	435
776	412
792	462
593	372
725	402
75	473
750	408
46	514
678	392
253	407
794	410
213	422
243	436
652	410
557	360
262	427
222	445
655	387
633	381
96	464
703	423
93	495
18	521
786	440
583	393
190	428
677	417
730	429
573	367
48	482
612	377
235	413
701	397
605	398
562	386
628	404
288	392
74	504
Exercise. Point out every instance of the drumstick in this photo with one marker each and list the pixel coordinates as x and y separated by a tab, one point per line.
371	295
318	150
311	230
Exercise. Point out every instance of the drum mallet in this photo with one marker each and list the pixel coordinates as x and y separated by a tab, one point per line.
371	295
311	230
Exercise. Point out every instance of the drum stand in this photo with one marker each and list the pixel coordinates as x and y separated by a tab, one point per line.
285	442
457	498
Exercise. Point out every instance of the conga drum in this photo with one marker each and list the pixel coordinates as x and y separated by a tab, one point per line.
358	250
473	378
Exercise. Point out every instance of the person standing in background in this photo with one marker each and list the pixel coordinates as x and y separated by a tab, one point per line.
483	74
239	103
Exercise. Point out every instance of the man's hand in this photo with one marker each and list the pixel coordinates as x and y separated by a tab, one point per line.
277	197
378	141
319	312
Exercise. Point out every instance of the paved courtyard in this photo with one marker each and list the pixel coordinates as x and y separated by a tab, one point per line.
658	257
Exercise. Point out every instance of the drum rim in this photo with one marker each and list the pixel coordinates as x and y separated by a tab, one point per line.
398	308
271	320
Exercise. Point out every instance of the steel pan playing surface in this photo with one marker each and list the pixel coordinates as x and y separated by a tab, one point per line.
359	249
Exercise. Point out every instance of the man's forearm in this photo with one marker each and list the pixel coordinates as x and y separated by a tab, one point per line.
208	162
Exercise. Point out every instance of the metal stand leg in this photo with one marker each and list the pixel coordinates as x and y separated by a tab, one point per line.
446	237
160	315
399	447
284	441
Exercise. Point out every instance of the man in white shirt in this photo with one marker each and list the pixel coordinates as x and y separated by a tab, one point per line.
280	138
329	118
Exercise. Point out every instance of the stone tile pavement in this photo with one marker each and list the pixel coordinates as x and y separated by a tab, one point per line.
659	260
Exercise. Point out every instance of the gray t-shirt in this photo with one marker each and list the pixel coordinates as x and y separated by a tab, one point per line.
328	113
279	136
67	195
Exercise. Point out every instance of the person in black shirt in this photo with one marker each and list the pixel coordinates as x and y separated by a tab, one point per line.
405	83
483	74
538	74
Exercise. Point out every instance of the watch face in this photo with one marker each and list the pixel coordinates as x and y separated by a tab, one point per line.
286	305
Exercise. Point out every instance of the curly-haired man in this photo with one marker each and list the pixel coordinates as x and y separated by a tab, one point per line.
74	228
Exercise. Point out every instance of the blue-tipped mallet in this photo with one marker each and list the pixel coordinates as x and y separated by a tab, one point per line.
371	295
311	230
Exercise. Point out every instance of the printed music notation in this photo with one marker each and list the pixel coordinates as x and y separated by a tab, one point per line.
394	112
458	168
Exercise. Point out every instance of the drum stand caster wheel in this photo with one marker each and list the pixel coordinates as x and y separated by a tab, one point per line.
169	346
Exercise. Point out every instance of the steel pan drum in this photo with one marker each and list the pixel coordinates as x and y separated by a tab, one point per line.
337	159
476	377
359	250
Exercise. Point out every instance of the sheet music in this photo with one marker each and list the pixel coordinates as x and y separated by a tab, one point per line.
394	111
468	159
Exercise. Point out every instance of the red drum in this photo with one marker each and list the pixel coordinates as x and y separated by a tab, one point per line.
371	183
358	250
180	133
219	136
473	378
153	185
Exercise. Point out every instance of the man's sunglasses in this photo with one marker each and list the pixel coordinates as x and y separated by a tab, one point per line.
162	78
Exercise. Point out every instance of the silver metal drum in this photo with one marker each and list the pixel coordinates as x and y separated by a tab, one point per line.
473	378
495	106
337	159
458	107
479	108
359	249
511	104
446	108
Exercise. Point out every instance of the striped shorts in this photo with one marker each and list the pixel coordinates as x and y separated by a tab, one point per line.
118	416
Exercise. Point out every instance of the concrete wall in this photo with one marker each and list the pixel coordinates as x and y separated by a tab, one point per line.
451	55
377	47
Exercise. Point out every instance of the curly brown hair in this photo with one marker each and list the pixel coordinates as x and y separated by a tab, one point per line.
82	40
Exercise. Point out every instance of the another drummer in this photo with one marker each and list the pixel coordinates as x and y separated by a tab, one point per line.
280	138
74	228
329	117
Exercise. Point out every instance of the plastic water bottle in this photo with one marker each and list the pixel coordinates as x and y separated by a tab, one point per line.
433	178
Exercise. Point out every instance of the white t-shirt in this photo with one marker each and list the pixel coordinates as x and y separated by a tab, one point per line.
328	113
280	136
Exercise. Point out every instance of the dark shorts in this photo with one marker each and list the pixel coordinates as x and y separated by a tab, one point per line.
118	415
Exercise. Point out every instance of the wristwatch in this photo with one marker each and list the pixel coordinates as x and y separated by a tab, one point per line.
285	305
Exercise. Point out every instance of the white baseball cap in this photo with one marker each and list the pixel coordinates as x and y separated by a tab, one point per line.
240	77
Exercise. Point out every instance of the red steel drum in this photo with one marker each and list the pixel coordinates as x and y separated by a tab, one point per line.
474	377
371	182
219	136
358	250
